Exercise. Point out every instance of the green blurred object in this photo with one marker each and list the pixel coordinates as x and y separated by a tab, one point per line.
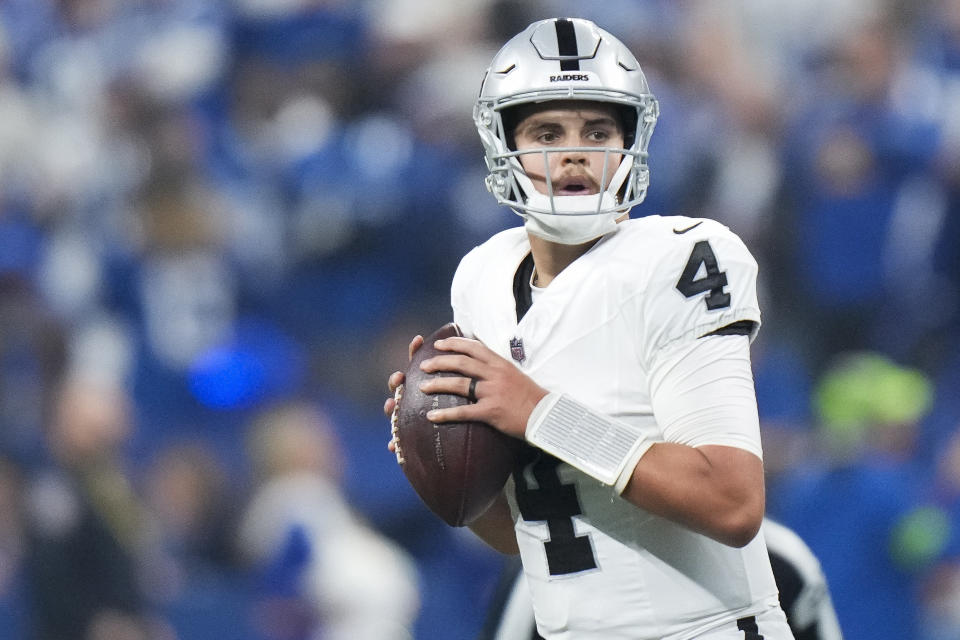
920	537
866	389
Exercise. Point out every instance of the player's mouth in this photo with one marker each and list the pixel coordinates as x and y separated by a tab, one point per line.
575	186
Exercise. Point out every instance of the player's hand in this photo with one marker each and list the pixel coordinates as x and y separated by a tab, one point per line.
505	396
396	380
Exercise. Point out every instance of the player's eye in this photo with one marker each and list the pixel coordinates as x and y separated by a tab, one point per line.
599	135
547	137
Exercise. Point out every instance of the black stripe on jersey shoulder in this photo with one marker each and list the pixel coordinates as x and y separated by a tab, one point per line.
567	44
738	328
521	286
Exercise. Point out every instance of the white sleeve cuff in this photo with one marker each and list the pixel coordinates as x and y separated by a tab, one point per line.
598	445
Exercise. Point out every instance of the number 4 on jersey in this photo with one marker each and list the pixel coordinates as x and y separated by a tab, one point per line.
713	281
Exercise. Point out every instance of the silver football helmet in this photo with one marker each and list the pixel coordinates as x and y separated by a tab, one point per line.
566	59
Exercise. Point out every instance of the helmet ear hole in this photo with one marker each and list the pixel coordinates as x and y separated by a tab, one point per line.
628	117
510	118
622	191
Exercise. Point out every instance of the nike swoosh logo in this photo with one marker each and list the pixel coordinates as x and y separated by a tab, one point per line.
679	231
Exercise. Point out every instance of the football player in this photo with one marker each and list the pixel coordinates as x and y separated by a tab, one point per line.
618	349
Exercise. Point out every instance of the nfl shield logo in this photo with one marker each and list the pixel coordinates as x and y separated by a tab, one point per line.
516	350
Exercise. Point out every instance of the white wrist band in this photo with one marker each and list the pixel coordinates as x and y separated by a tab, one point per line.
598	445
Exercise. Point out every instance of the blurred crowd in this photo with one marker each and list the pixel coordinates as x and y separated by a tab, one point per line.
221	221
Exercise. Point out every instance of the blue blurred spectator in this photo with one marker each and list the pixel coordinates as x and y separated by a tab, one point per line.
322	571
855	153
13	622
87	535
857	504
940	614
194	576
33	354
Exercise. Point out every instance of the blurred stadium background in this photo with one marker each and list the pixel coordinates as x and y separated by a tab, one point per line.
222	220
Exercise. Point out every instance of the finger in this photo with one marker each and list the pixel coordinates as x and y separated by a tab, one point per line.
464	413
392	446
388	407
472	385
415	345
473	348
395	380
448	384
457	363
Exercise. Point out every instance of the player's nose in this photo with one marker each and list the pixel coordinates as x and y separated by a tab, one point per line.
573	157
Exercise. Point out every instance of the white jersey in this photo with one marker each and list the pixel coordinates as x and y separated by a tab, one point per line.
598	566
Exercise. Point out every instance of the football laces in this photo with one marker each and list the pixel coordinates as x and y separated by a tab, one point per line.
394	426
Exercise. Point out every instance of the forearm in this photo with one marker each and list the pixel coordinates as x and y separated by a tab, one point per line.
703	397
495	527
698	464
714	490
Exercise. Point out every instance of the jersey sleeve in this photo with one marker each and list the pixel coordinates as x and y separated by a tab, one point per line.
702	393
701	383
463	280
702	281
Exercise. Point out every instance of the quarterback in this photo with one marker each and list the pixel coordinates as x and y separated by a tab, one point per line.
618	349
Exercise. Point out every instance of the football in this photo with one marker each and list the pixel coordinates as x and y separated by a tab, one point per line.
457	468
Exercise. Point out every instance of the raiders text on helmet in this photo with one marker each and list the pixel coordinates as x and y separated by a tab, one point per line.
566	59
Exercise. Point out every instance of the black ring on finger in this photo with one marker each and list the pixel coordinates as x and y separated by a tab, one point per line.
472	390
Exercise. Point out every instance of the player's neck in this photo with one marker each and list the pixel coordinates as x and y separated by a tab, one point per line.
550	258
